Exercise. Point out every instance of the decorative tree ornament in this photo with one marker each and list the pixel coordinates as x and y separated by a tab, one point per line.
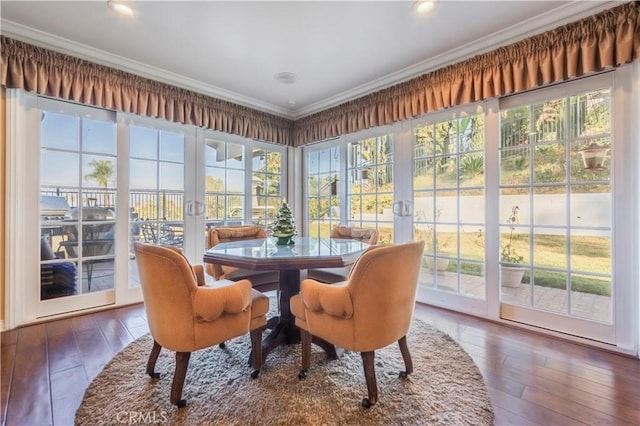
283	228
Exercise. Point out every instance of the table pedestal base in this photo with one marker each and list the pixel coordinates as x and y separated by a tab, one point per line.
288	333
283	328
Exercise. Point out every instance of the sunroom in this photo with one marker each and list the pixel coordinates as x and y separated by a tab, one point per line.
518	160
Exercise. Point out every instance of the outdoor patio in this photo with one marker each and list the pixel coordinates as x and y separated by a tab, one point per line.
584	305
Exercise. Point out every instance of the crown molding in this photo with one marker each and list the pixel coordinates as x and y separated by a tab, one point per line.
565	14
82	51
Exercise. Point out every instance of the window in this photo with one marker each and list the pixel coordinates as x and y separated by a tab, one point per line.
156	182
265	185
556	204
449	199
323	171
370	189
77	204
224	183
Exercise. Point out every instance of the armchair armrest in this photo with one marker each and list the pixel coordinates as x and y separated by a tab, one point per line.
209	303
334	299
198	271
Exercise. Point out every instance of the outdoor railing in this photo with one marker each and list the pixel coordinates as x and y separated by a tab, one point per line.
151	205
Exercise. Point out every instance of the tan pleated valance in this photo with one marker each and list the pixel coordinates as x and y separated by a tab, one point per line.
62	76
608	39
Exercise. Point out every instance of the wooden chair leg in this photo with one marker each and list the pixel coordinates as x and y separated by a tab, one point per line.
182	362
329	348
368	360
153	357
406	356
256	351
305	346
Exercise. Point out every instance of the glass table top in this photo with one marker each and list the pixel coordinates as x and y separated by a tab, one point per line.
305	252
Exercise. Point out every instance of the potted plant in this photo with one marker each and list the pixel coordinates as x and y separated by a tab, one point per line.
511	268
439	246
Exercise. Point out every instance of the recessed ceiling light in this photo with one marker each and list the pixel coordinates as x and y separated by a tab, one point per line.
120	8
425	6
286	77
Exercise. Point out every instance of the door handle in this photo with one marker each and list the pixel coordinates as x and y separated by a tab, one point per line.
402	208
199	208
194	208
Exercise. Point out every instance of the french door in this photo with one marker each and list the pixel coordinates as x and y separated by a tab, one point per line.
87	183
557	161
449	199
370	185
405	182
535	185
158	196
63	211
352	184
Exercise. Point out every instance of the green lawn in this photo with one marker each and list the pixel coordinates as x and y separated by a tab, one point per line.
589	254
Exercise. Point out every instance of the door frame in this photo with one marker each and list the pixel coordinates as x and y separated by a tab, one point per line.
23	304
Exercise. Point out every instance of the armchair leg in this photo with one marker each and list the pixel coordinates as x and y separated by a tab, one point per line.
153	357
368	359
329	348
406	356
256	351
305	346
182	362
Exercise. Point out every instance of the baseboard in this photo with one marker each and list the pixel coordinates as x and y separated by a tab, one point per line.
1	325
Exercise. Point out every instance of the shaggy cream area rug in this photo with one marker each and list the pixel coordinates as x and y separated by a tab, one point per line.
445	388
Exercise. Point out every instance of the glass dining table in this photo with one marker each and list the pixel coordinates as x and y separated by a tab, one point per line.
291	261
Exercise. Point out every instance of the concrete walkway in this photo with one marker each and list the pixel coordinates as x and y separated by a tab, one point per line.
583	305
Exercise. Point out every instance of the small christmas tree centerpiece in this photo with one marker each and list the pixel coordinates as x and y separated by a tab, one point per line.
283	228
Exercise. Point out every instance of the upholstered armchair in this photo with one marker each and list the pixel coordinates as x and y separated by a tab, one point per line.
261	280
185	315
370	311
334	275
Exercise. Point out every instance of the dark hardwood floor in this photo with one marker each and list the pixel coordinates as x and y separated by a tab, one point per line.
532	379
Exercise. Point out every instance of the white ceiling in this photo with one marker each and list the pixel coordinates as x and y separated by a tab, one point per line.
232	50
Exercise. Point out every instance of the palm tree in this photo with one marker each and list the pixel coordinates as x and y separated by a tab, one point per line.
102	173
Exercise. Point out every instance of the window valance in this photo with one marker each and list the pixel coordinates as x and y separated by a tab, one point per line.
63	76
607	39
